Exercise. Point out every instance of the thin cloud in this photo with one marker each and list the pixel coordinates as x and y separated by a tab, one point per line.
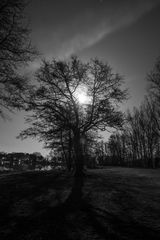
94	24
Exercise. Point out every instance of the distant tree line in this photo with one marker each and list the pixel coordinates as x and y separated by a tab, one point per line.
22	161
138	142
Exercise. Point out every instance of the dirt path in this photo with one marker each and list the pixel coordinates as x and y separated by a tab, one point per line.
117	203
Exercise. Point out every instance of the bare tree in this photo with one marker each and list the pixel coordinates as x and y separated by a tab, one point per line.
154	94
55	102
138	141
15	50
154	81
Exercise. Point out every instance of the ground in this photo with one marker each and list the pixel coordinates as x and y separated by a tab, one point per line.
117	203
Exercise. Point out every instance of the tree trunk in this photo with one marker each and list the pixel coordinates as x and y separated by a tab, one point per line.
76	196
70	164
79	160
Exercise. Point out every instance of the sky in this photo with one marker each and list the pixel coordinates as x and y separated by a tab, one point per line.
123	33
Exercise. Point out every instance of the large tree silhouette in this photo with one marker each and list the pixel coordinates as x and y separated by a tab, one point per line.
15	50
55	104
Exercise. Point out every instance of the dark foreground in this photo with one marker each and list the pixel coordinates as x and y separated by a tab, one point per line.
117	203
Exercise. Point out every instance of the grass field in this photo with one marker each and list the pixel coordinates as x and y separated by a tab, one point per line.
118	203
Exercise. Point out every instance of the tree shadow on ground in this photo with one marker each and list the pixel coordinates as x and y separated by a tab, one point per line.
76	218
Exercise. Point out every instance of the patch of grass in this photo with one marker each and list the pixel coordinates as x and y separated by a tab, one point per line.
116	203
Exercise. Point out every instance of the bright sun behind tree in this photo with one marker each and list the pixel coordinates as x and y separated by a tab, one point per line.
82	96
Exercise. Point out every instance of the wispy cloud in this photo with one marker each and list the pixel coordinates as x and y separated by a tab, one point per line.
94	24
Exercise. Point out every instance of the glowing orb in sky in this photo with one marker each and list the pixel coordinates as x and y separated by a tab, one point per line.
82	96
